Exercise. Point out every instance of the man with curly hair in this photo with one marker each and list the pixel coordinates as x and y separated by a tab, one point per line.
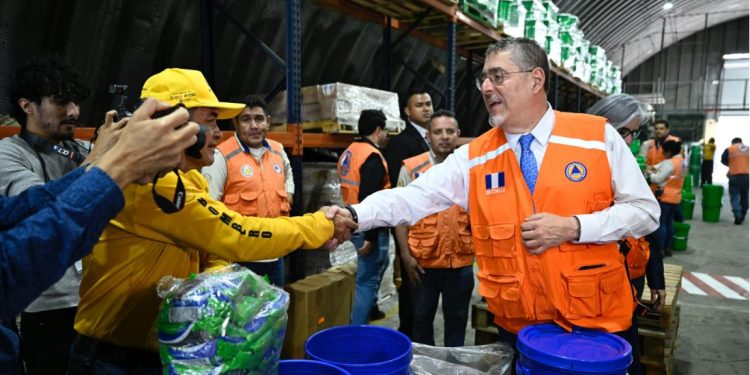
45	95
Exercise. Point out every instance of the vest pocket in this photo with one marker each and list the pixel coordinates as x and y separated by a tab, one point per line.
284	208
495	247
503	294
245	203
423	247
592	292
465	244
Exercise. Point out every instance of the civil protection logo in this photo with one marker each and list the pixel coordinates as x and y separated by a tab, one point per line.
277	168
246	170
575	171
346	161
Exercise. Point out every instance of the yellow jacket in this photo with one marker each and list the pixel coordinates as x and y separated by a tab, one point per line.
142	244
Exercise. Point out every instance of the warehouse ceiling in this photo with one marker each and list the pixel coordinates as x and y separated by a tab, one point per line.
631	30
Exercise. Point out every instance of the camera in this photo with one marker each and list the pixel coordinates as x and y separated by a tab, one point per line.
193	151
120	96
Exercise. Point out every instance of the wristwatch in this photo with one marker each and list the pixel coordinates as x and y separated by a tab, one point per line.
349	208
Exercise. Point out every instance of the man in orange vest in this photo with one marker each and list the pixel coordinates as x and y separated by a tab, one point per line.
736	158
437	251
362	170
252	175
548	194
666	180
652	147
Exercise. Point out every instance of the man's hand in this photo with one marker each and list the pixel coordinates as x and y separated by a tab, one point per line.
412	268
658	296
106	136
146	147
365	249
343	226
543	231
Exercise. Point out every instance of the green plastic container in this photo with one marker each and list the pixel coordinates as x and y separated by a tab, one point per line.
635	146
711	214
687	185
679	243
681	229
695	155
687	206
712	195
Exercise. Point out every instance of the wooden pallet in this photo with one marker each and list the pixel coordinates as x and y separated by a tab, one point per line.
484	336
657	332
480	316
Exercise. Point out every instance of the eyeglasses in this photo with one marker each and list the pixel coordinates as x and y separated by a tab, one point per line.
625	132
496	76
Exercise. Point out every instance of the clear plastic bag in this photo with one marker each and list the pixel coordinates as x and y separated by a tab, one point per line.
492	359
226	321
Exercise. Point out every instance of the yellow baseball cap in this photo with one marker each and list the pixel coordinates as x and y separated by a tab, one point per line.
189	87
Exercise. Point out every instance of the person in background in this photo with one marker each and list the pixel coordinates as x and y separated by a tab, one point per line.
363	171
252	175
153	237
643	256
437	251
548	195
410	142
707	168
45	94
47	228
651	149
666	178
736	158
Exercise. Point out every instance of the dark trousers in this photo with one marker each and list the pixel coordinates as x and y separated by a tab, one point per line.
405	309
274	270
15	366
455	285
90	356
666	225
630	335
738	190
707	171
47	337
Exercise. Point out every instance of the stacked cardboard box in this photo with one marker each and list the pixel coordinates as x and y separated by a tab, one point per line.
318	302
512	16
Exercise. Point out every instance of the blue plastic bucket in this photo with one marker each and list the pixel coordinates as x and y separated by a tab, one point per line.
305	367
547	349
362	349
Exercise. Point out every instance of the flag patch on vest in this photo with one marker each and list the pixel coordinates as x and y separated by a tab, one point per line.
575	171
494	183
345	164
246	170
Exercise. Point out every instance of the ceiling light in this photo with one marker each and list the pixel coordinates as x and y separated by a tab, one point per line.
736	56
668	5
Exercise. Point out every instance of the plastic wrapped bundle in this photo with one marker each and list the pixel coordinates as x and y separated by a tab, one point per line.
221	322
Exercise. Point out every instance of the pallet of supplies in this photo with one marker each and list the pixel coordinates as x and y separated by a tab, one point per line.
657	332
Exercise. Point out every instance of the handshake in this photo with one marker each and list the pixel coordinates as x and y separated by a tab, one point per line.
343	225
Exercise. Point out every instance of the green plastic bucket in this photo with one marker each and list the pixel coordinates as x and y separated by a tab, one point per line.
712	195
687	185
687	207
679	243
681	229
695	155
711	214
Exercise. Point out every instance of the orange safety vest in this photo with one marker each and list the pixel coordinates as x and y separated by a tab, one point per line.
673	188
738	159
349	166
441	240
654	155
637	257
253	188
573	284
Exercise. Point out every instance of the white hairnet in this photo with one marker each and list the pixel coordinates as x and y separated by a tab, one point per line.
619	109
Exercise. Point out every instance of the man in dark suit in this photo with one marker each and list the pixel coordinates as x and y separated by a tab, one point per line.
410	142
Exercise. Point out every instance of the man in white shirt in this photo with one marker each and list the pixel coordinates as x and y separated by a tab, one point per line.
541	229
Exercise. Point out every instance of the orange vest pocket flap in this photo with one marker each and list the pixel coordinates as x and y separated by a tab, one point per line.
611	284
510	292
481	232
582	289
502	231
428	241
231	199
249	195
282	193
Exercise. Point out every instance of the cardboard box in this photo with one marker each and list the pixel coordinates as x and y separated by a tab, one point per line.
317	302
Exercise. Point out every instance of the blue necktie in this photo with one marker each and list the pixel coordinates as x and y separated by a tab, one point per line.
528	162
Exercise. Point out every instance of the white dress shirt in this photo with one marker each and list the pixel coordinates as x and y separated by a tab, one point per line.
635	212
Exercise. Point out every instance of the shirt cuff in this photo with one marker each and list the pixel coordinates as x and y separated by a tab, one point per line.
590	229
109	200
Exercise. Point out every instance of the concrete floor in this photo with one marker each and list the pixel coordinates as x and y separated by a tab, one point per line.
713	333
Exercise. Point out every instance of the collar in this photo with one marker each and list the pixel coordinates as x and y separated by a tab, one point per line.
246	148
365	139
541	131
422	131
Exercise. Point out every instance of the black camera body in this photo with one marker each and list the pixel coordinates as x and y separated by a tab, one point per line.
193	151
120	96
